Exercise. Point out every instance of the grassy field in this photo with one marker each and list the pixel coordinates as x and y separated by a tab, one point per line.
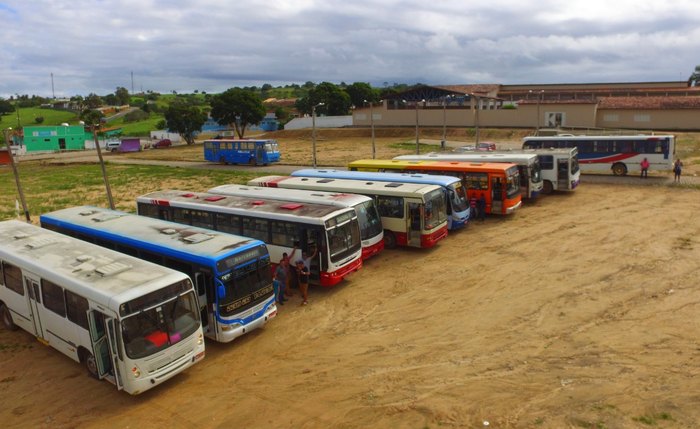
51	187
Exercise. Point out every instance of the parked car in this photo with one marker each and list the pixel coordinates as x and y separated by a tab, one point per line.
113	145
160	144
486	146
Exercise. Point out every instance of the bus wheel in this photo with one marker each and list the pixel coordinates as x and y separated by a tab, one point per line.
91	364
389	240
222	160
7	318
547	187
253	162
619	169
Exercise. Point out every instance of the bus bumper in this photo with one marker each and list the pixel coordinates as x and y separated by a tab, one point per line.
430	240
574	184
332	279
258	317
369	251
510	210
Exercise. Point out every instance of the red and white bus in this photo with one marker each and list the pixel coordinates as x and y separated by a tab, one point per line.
283	225
371	231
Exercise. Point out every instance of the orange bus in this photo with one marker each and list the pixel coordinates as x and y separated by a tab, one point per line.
499	183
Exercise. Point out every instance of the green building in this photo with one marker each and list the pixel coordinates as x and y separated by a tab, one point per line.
54	138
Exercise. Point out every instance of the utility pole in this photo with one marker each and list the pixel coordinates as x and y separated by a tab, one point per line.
16	174
102	165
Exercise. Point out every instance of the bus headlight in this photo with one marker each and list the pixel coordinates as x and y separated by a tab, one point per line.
230	327
136	372
200	339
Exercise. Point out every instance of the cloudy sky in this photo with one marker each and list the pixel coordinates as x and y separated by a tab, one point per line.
210	45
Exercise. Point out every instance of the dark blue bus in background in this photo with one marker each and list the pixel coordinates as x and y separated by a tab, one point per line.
251	152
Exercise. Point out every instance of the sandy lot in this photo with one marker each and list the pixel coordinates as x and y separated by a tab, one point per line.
578	311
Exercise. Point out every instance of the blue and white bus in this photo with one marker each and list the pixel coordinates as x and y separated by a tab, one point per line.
232	274
617	154
455	194
251	152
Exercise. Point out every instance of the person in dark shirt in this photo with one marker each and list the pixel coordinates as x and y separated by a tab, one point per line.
303	273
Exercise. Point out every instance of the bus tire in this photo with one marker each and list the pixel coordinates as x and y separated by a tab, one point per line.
7	318
222	160
389	240
90	364
253	162
547	187
619	169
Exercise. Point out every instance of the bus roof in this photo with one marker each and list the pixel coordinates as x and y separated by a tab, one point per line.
99	274
517	158
348	185
573	137
430	179
241	140
338	199
264	207
443	165
167	237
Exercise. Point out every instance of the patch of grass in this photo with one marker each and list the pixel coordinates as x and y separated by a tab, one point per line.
424	147
652	420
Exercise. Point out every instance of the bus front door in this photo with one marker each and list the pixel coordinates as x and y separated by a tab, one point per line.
415	222
202	284
497	190
101	362
563	174
31	285
260	154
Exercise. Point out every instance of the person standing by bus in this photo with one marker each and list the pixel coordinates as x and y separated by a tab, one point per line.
481	207
472	207
677	167
645	168
303	273
279	280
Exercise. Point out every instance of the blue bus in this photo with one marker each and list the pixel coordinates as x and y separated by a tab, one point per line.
455	194
251	152
232	274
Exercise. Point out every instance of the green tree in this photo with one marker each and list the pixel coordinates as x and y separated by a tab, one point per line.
335	100
6	107
361	91
91	117
185	119
237	107
93	101
122	95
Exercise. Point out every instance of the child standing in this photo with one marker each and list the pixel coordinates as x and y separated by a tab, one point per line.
303	273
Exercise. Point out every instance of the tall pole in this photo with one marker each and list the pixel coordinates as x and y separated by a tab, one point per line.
371	121
537	127
53	93
102	165
16	174
417	140
313	131
477	107
444	122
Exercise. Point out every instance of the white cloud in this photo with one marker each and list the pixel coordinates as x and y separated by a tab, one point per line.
93	46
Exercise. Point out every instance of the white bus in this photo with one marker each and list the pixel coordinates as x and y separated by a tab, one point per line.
560	169
528	166
131	322
282	225
371	231
231	274
412	214
619	154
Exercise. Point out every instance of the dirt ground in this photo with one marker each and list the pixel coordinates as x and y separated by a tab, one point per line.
579	311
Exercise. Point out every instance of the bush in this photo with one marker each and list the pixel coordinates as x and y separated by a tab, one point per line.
136	115
39	119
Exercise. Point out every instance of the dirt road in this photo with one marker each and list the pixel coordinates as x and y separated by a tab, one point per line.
578	311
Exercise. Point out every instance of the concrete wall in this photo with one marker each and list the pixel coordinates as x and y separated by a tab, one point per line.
321	122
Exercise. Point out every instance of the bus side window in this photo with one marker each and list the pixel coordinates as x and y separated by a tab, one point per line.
13	278
53	298
546	162
76	309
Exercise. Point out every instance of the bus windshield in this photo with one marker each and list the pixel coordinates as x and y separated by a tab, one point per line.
434	209
457	197
536	171
245	286
343	236
512	182
156	328
368	217
574	165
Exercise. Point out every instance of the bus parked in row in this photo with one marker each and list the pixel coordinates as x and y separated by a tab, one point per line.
283	225
560	169
232	274
371	231
455	193
619	154
497	182
528	166
131	322
412	214
251	152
